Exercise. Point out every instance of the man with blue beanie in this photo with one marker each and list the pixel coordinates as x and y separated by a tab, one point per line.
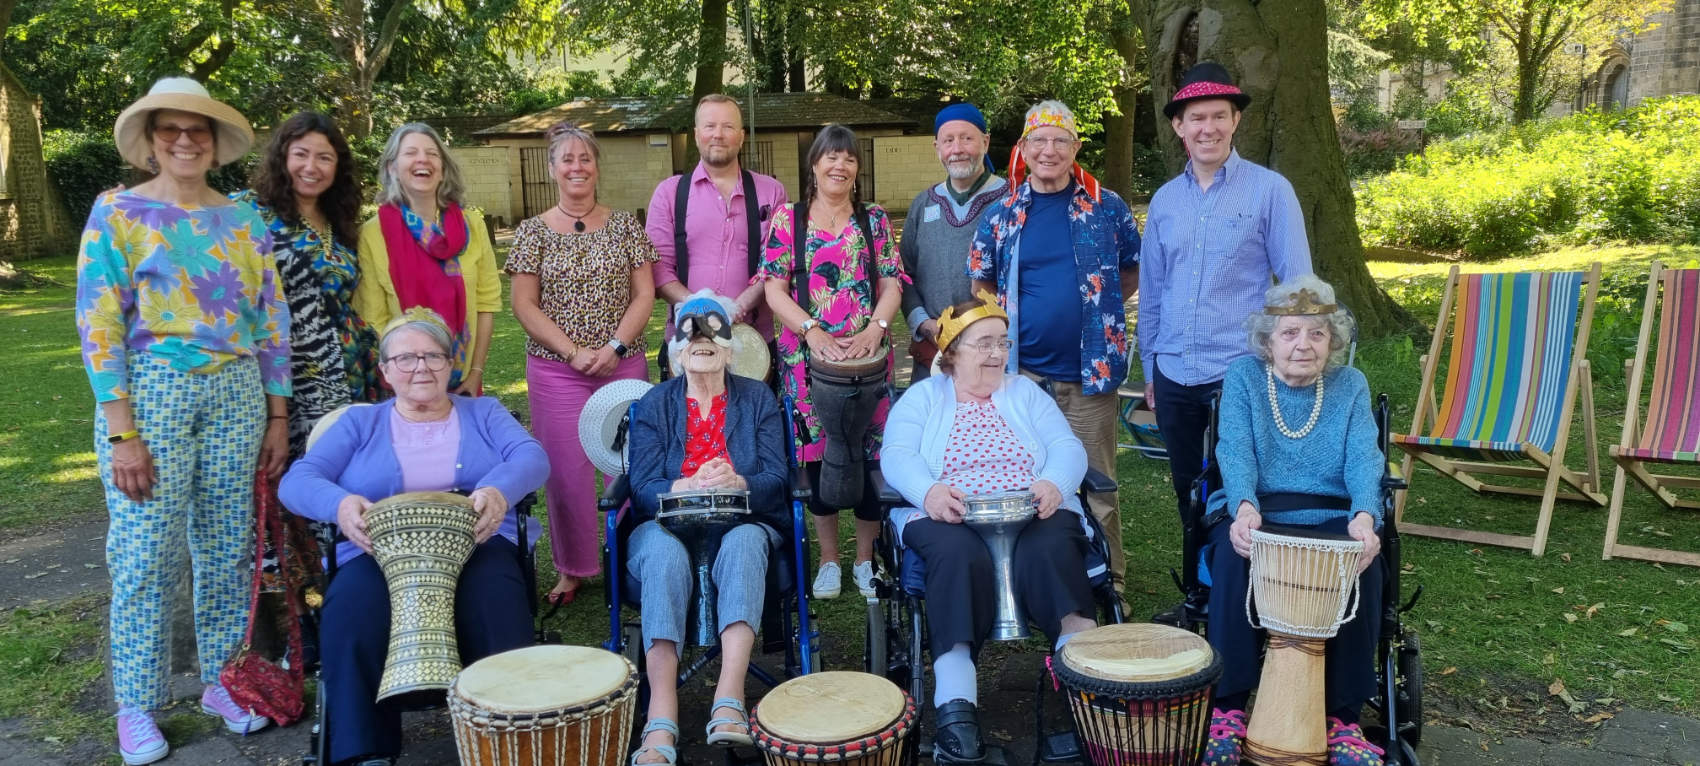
941	223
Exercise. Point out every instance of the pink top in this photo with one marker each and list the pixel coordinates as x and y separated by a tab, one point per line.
428	452
716	233
983	455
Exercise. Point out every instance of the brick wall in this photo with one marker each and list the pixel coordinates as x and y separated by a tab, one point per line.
485	171
904	166
629	171
28	229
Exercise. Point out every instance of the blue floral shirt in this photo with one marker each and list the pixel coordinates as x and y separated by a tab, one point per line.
1106	242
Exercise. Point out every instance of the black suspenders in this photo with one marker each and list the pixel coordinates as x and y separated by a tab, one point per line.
752	220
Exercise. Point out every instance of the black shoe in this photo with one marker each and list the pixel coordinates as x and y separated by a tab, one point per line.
1191	611
958	738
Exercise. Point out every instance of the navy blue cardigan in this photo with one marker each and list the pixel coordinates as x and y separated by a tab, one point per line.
755	437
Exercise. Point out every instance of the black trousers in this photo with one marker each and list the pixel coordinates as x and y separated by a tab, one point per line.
1049	565
1183	413
1350	653
491	616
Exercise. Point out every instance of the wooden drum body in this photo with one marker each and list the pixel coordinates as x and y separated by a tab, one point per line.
844	395
420	541
998	519
700	519
545	706
1304	585
841	717
1139	693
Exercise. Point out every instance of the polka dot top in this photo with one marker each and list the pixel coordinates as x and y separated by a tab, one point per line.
983	455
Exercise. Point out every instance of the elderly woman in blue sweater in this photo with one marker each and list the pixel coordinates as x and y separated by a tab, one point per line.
1296	447
705	428
976	430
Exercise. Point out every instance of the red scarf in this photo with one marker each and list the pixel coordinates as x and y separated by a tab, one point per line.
428	275
1018	173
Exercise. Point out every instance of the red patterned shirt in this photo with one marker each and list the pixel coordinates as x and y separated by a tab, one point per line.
705	438
983	455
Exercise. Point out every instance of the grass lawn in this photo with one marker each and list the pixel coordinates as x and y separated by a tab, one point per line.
1512	643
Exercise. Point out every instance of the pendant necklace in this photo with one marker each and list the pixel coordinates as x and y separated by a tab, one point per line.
578	220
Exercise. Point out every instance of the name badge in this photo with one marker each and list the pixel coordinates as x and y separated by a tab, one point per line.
930	214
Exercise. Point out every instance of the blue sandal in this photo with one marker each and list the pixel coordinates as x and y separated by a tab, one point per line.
670	753
741	737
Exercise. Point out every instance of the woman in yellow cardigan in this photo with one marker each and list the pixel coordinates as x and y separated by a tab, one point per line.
422	249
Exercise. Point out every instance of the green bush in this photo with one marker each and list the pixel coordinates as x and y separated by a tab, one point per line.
1595	177
81	165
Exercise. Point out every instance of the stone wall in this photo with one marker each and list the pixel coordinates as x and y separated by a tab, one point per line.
904	166
485	171
28	229
1666	61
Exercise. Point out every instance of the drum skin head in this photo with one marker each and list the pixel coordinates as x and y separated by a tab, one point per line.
541	678
830	707
1137	652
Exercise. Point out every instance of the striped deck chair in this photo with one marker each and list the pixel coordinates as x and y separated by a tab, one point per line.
1514	367
1671	433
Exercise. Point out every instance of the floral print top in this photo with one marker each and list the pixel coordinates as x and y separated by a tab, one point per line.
840	280
983	455
705	438
1106	242
585	277
195	286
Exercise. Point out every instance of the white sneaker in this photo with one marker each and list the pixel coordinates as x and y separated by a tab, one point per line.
864	574
828	580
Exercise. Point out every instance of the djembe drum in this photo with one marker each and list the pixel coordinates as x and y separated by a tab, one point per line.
998	519
1139	693
841	717
545	706
1305	586
844	395
420	541
700	519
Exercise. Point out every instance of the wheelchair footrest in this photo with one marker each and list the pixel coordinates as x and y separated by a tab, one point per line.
996	755
1059	747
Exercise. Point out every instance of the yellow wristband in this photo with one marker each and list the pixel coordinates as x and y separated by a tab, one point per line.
120	437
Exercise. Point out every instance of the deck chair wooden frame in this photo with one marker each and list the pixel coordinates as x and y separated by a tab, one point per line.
1547	465
1671	432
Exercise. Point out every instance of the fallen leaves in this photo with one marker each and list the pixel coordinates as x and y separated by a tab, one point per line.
1627	632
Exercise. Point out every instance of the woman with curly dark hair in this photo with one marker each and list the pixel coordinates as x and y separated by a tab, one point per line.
305	188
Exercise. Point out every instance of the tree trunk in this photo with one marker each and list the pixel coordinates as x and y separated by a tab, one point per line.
1278	52
711	50
1119	128
773	46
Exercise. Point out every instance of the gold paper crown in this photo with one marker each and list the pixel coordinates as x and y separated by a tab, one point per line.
1305	302
952	324
417	314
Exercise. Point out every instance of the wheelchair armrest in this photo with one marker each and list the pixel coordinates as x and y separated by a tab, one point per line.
1395	478
1096	481
889	497
615	495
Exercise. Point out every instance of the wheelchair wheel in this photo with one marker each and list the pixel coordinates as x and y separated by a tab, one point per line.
1410	701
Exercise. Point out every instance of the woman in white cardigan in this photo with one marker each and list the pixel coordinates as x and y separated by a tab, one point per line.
977	430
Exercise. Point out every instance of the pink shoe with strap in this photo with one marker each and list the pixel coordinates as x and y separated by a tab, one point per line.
1227	732
1347	746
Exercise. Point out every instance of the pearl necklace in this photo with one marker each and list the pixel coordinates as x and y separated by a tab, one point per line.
1275	407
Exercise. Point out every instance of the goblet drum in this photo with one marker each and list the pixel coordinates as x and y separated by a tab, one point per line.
998	519
700	518
420	541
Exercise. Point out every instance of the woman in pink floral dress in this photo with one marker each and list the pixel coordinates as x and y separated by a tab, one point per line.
849	265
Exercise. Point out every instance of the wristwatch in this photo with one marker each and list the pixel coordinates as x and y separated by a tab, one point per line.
884	325
619	348
807	325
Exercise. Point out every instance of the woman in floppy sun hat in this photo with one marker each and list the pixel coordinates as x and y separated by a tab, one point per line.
185	340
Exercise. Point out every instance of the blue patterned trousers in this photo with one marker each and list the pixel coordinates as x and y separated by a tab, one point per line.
203	431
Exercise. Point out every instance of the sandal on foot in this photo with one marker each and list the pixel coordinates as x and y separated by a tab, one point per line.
668	753
738	737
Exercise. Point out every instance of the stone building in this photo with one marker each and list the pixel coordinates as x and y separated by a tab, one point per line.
31	220
1662	62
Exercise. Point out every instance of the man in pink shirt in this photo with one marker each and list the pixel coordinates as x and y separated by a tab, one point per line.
724	229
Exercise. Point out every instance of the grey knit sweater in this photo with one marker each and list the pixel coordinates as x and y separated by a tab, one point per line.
936	235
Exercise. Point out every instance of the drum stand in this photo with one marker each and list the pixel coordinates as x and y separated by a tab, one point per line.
1292	728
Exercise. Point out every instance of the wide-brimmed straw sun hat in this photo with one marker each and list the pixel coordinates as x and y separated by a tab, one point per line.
235	136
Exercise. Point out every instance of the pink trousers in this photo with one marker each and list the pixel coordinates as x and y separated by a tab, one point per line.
557	394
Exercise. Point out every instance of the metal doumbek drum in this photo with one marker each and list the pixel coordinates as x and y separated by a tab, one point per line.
998	519
700	519
420	541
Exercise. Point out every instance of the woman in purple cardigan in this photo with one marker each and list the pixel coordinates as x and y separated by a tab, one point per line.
423	440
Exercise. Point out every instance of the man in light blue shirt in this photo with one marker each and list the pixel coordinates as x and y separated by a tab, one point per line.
1215	235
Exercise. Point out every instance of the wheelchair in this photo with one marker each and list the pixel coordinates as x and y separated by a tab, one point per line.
1398	700
895	636
319	733
787	624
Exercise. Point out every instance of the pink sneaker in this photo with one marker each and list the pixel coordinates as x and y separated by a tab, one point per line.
217	701
139	740
1347	746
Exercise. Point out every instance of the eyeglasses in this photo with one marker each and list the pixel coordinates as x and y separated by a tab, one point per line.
1039	143
200	134
434	361
987	346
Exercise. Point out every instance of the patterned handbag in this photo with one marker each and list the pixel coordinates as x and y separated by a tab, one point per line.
256	683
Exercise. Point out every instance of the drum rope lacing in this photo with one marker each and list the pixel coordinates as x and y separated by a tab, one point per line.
1345	613
1275	407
